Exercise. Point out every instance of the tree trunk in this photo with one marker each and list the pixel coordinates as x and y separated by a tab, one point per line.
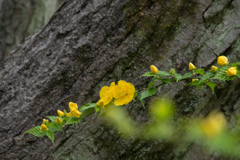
88	44
19	19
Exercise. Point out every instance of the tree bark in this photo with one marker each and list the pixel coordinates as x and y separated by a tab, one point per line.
88	44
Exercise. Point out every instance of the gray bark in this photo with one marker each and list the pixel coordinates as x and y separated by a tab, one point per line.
88	44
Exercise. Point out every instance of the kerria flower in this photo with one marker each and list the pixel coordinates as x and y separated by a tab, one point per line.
231	71
123	93
214	68
106	93
191	66
153	69
59	121
44	127
222	60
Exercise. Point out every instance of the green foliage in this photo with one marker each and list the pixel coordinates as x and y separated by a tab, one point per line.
148	74
50	134
87	109
72	120
163	73
177	76
211	85
52	118
206	76
147	93
36	131
54	126
221	73
200	71
187	75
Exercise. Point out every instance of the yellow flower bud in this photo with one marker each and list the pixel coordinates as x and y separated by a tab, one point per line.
72	106
171	71
100	103
191	66
213	124
222	60
69	114
194	80
76	113
60	113
231	71
214	68
153	69
59	121
44	127
45	121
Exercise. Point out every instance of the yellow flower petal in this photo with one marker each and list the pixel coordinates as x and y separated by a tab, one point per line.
191	66
69	114
44	127
222	60
120	101
76	113
60	113
231	71
214	68
153	69
59	121
100	103
72	106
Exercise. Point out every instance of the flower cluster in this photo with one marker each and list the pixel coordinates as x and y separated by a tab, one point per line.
122	94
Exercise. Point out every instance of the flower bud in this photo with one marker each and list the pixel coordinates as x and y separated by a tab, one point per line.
231	71
76	113
45	121
100	103
60	113
59	121
153	69
214	68
194	80
72	106
191	66
44	127
222	60
69	114
171	71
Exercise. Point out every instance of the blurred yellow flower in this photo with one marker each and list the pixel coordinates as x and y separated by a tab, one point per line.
60	113
45	121
76	113
59	121
106	93
153	69
123	93
100	103
69	114
231	71
214	68
171	71
44	127
194	80
191	66
213	124
72	106
222	60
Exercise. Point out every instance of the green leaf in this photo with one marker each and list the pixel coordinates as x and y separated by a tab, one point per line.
177	76
73	120
168	81
54	126
200	71
36	131
211	85
140	100
163	73
50	135
148	74
189	74
238	73
147	93
195	83
151	83
52	118
235	64
206	76
221	73
87	109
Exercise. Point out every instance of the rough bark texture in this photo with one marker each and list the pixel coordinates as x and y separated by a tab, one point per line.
88	44
21	18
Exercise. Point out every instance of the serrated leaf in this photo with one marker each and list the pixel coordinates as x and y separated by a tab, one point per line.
189	74
211	85
168	81
50	135
73	120
87	109
52	118
147	93
206	76
177	76
151	83
53	126
200	71
235	64
195	83
163	73
221	73
148	74
36	131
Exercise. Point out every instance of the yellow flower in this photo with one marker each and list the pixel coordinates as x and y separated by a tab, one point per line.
153	69
231	71
222	60
72	106
191	66
171	71
193	80
106	93
60	113
69	114
45	121
123	93
213	124
44	127
59	121
76	113
214	68
100	103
